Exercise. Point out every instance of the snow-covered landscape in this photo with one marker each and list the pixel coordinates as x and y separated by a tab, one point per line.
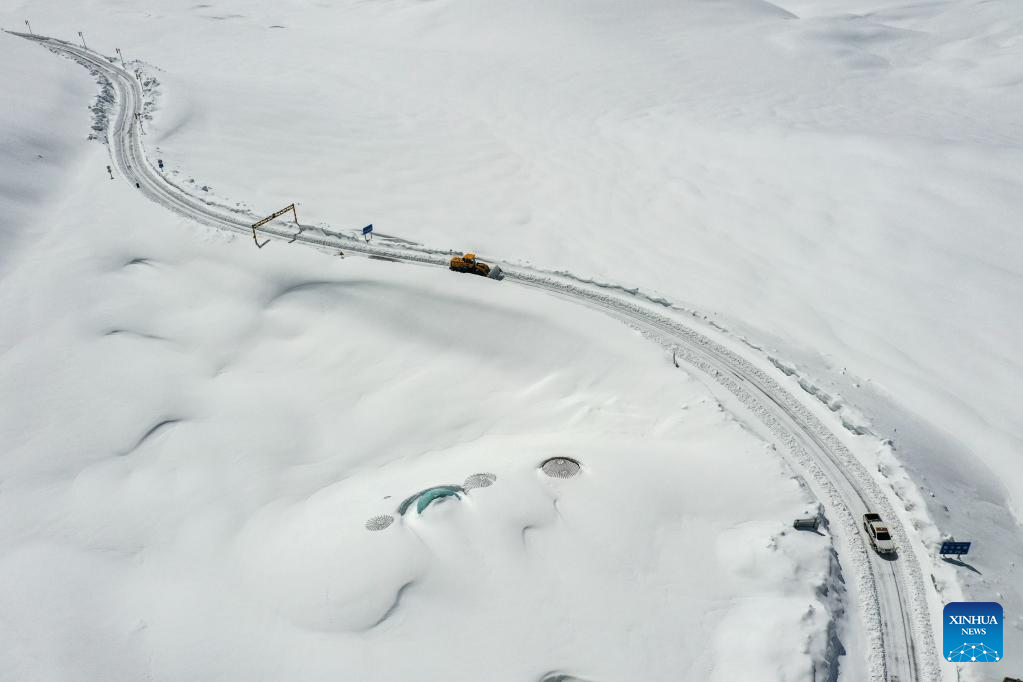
760	262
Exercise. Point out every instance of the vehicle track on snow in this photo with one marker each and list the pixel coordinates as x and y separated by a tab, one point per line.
892	594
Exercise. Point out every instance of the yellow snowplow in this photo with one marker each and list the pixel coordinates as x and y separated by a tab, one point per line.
469	263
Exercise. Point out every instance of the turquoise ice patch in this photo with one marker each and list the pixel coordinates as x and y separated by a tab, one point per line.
425	497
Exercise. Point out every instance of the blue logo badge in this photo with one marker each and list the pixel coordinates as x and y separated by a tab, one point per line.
972	632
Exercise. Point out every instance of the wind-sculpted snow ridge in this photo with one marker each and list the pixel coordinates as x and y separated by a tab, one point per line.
851	419
101	107
832	592
830	465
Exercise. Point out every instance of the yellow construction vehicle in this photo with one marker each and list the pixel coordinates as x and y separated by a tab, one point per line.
468	263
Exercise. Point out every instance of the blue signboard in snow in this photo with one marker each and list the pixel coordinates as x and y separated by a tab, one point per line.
367	229
957	548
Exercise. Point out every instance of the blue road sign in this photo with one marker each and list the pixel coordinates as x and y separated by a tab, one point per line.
957	548
367	229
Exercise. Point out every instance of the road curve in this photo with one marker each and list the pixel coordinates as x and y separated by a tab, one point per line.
892	595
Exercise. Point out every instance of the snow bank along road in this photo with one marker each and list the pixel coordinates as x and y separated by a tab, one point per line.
892	595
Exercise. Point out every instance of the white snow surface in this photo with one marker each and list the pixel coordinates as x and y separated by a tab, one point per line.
195	432
839	182
841	177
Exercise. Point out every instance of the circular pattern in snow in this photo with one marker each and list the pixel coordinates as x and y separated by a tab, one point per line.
560	467
379	522
483	480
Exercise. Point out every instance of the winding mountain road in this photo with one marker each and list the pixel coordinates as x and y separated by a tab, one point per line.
891	595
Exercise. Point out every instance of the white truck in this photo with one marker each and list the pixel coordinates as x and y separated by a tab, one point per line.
877	532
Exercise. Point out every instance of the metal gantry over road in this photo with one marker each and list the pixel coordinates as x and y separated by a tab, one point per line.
264	221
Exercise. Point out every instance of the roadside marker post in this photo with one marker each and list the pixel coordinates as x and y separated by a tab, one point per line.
83	40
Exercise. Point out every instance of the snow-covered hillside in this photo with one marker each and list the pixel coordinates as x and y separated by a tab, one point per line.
197	431
840	179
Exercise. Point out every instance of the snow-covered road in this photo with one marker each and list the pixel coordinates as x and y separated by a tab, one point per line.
894	597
